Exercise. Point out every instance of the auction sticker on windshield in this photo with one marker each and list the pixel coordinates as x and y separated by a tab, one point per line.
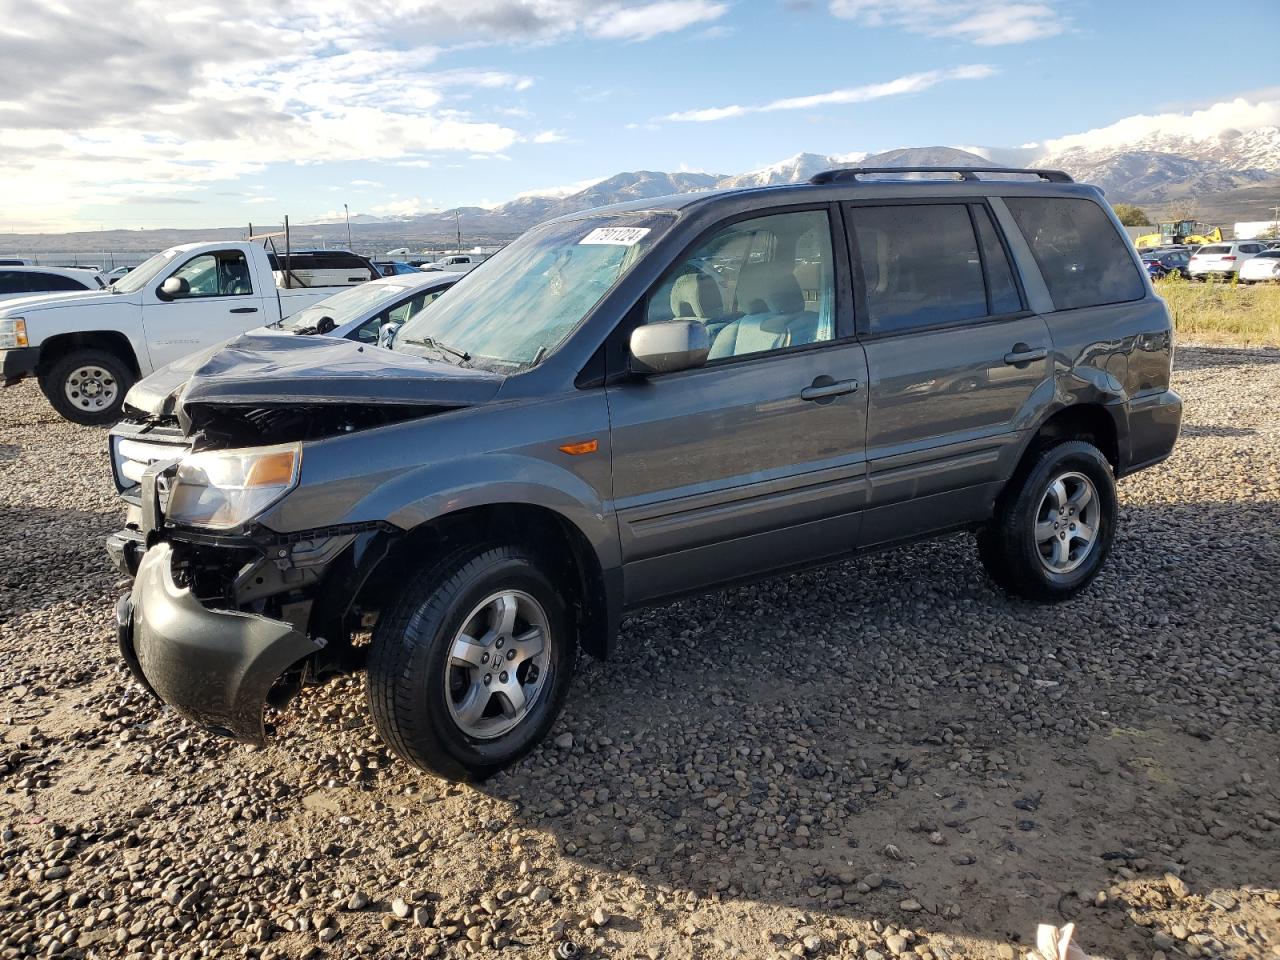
615	236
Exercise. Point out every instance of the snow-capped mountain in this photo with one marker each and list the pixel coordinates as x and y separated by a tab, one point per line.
1160	167
794	169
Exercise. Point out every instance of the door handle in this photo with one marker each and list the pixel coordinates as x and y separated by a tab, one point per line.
244	310
1022	353
828	389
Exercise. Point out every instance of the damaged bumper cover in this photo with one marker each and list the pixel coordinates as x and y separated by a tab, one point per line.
216	667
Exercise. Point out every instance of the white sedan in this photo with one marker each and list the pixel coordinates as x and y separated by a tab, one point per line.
360	312
33	281
1263	268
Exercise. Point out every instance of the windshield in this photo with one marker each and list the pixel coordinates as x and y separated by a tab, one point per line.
140	276
350	304
521	304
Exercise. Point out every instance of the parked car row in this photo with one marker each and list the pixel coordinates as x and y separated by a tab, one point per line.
1223	260
625	406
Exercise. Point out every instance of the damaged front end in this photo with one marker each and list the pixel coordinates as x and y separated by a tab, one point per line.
220	626
227	616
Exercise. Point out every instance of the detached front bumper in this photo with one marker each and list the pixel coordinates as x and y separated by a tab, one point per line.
214	666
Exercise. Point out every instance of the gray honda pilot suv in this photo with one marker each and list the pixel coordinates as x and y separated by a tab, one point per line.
625	406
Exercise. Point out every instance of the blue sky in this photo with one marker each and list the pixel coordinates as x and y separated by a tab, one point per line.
179	115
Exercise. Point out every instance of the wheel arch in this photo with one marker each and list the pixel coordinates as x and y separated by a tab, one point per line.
57	346
1096	423
594	593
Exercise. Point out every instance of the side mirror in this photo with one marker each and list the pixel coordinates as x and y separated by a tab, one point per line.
668	347
173	288
387	334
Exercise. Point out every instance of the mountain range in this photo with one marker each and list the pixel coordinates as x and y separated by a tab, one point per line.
1229	177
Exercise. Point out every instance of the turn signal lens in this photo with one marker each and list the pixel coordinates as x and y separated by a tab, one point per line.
273	470
578	449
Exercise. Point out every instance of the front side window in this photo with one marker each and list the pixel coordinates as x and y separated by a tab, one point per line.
757	285
1084	260
221	274
533	293
920	266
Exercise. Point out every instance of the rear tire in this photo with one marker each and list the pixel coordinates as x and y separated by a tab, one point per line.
471	616
88	386
1054	524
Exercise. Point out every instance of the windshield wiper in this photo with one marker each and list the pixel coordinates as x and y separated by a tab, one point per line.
431	344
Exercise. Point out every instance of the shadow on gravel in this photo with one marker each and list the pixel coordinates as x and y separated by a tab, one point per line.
49	555
1202	430
892	739
9	451
1195	357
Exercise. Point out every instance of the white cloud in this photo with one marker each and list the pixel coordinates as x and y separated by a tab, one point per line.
1237	114
102	115
910	83
549	136
618	22
565	190
366	183
408	207
984	22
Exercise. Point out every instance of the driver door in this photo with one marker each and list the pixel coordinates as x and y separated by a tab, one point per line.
220	302
755	461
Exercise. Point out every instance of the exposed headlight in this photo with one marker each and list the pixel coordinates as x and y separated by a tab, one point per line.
223	489
13	334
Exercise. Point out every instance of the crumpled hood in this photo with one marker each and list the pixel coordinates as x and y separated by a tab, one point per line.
269	368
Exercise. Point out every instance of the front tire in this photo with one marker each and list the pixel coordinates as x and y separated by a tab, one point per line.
471	666
1054	524
87	386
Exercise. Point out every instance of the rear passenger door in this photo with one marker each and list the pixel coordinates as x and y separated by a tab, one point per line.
957	364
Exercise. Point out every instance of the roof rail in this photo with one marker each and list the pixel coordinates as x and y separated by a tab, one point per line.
961	173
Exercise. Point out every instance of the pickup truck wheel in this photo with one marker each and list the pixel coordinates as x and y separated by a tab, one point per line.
1054	525
470	668
87	386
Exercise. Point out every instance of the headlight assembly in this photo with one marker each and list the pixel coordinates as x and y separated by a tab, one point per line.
13	334
224	489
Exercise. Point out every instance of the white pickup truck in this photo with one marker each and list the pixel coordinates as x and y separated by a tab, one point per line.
87	349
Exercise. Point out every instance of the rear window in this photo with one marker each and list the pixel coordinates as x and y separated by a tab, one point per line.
1083	258
55	281
1214	249
921	266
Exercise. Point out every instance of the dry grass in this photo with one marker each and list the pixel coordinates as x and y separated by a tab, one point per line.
1224	312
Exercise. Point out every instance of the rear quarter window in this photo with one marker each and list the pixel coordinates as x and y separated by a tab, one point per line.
1082	257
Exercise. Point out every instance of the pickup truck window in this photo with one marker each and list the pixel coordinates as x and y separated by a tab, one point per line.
148	270
221	274
531	295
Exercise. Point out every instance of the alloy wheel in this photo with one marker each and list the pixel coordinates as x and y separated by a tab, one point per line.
498	664
1067	522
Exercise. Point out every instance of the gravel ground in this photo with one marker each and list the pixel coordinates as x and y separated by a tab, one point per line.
884	758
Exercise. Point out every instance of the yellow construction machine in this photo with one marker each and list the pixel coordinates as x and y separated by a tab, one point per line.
1179	232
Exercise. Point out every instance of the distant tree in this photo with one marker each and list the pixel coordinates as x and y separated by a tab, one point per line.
1271	233
1132	216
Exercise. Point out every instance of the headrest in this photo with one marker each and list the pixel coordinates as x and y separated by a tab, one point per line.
696	294
770	289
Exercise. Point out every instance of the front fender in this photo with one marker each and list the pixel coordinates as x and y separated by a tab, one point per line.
410	473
